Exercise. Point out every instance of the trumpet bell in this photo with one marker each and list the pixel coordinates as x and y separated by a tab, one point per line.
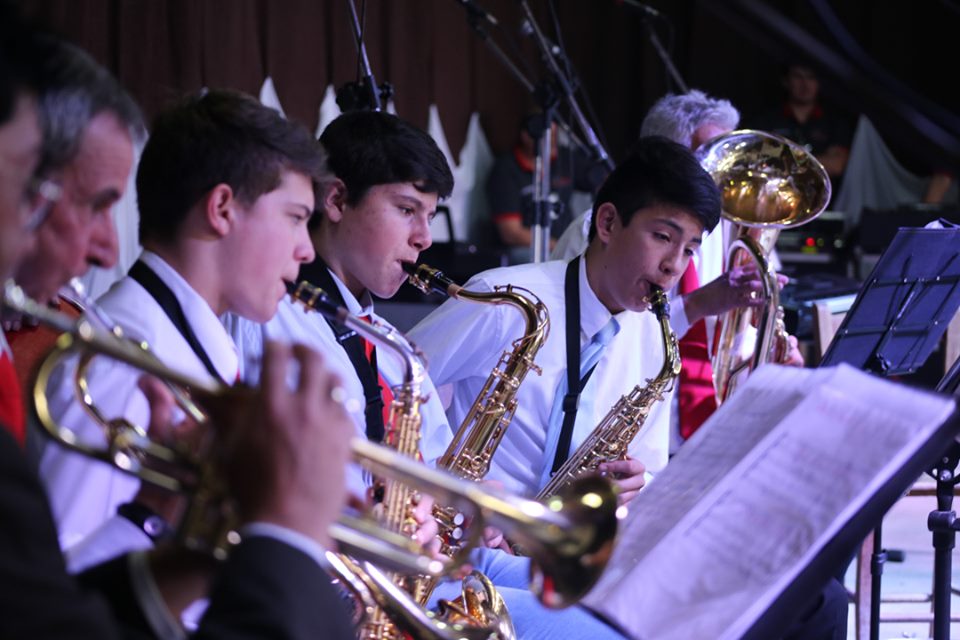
765	180
578	554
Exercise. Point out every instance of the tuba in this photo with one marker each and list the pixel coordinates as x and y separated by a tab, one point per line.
767	183
611	438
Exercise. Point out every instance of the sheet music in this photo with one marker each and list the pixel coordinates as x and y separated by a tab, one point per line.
748	501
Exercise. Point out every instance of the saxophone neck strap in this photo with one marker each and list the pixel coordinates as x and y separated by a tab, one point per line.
317	273
167	300
575	384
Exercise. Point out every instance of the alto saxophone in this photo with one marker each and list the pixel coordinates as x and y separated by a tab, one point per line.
611	438
476	440
389	602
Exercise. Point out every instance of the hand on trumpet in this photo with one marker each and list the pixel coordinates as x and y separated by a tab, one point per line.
427	529
166	429
628	477
284	450
738	287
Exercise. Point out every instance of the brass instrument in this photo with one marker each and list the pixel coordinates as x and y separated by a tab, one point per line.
541	526
589	531
470	452
402	434
611	438
767	183
187	472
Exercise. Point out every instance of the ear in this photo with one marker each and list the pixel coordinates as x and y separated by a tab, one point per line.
607	221
333	200
219	210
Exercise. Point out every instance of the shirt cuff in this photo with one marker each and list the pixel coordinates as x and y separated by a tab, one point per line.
289	537
678	316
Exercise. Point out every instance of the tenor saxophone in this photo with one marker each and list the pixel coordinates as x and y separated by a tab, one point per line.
470	452
611	438
402	433
390	602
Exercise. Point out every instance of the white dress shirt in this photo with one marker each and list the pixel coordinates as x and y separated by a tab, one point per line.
463	341
84	493
295	324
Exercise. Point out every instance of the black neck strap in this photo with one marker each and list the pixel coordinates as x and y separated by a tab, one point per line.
167	300
318	274
575	384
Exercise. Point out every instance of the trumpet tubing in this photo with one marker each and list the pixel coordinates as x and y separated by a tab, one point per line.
131	451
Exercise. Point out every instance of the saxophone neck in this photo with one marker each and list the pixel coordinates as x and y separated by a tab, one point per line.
316	299
660	305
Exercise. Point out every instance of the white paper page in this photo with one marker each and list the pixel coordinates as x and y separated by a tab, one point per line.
745	518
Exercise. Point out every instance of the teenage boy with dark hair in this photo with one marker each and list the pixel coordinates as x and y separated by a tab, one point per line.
373	217
648	219
225	189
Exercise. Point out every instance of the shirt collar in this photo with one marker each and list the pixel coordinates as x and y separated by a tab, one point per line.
593	314
361	307
203	321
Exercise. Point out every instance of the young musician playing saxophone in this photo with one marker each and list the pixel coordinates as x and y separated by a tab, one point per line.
375	216
648	219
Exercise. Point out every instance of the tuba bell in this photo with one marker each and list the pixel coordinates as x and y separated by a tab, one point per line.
767	183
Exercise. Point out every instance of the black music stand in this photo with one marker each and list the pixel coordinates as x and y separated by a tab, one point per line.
895	323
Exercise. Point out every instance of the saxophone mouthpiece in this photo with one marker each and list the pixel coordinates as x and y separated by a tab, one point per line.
316	298
430	280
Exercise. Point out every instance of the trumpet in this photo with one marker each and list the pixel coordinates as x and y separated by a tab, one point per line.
570	534
545	529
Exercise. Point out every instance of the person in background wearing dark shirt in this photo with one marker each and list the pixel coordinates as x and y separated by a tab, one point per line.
803	119
510	188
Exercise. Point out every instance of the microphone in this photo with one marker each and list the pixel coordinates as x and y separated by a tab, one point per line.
646	10
477	12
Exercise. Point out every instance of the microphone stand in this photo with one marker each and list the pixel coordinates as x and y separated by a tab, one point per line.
365	94
942	522
475	23
593	142
541	178
546	97
664	56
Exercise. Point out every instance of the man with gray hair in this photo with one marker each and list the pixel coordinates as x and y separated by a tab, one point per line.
690	118
89	123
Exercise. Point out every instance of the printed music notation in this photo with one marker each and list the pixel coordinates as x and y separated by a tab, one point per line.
749	501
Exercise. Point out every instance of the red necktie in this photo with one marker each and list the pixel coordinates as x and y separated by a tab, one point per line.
11	400
385	393
697	397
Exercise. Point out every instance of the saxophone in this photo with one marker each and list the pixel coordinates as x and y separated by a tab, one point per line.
476	440
389	601
610	439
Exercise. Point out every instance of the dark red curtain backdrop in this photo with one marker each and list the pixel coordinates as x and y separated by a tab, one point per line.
162	48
